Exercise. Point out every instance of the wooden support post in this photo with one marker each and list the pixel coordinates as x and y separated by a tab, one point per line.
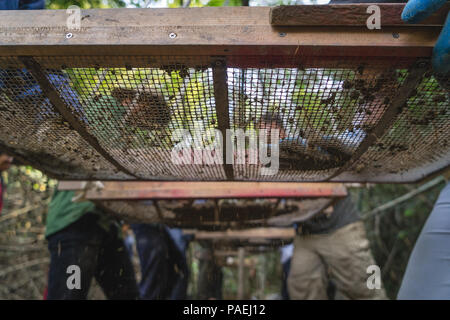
241	274
262	276
223	118
216	211
158	210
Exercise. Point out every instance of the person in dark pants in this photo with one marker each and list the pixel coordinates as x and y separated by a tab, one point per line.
162	256
79	234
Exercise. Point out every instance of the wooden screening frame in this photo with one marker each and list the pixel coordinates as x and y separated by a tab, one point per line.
228	34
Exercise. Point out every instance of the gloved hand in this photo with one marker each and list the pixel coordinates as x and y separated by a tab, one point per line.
416	11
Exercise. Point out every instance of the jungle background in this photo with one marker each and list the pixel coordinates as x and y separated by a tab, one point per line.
24	256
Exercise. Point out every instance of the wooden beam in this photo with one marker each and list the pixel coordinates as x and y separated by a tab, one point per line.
222	109
241	274
141	190
229	31
347	15
257	233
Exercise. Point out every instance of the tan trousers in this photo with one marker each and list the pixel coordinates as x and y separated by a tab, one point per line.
343	255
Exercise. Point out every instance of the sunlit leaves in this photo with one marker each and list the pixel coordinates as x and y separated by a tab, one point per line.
85	4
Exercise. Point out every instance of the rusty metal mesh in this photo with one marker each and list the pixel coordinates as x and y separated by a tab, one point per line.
418	141
220	215
34	130
327	108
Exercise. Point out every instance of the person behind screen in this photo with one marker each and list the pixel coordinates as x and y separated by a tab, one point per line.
332	245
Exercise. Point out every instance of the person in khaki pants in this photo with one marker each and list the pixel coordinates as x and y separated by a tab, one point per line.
332	246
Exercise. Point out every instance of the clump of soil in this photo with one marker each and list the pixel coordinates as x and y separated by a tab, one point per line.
312	158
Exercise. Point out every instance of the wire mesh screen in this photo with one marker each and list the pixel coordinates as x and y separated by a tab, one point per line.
217	215
153	117
324	114
136	113
418	140
38	133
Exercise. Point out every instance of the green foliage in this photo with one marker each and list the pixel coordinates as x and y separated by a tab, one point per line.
220	3
85	4
28	177
409	212
215	3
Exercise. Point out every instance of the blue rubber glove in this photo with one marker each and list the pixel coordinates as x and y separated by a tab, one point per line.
417	10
